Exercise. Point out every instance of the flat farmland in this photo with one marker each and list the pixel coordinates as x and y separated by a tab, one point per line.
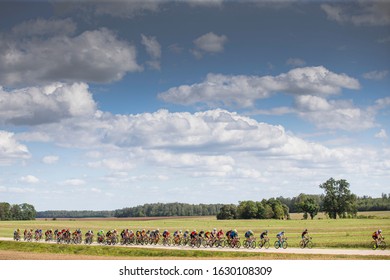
326	233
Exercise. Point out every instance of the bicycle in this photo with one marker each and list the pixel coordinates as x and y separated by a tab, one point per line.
281	244
235	243
16	236
249	243
264	243
306	243
220	242
381	244
167	241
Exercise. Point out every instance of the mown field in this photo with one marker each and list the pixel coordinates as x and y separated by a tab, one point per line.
326	233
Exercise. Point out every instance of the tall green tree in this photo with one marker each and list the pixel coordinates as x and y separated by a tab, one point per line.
338	199
247	210
227	212
308	205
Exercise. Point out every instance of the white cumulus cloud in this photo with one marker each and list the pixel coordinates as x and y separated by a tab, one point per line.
362	13
334	114
92	56
30	179
50	159
11	149
376	75
209	43
243	91
51	103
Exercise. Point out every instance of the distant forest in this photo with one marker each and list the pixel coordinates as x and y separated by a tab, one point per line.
22	211
364	203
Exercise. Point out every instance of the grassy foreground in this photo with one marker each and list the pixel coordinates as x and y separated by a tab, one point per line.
326	233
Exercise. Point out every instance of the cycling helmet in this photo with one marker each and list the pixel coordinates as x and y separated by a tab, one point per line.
305	229
266	231
214	229
380	231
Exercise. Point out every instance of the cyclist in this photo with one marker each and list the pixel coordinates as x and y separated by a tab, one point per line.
214	233
228	234
193	234
220	234
264	234
17	234
280	237
377	235
233	237
166	234
305	234
249	235
233	234
186	233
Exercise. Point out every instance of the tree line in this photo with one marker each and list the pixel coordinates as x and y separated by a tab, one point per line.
52	214
169	209
265	209
22	211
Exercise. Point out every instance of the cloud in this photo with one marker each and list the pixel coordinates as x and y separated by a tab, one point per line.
296	62
92	56
29	179
73	182
376	75
112	164
51	103
334	114
381	134
364	13
243	91
209	43
203	3
43	27
153	48
10	149
50	159
126	9
179	139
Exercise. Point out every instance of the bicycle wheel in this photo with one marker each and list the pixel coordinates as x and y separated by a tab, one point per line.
238	244
253	244
301	244
373	245
382	245
284	244
309	245
276	244
266	245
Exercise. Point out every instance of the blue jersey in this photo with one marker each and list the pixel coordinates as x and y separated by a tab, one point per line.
233	234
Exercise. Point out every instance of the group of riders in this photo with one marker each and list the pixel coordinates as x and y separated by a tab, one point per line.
61	236
193	238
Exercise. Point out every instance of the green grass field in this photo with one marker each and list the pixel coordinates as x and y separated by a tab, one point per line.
326	233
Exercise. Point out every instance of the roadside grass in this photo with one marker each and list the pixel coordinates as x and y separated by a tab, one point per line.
326	233
151	253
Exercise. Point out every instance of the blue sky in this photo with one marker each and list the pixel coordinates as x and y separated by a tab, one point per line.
104	106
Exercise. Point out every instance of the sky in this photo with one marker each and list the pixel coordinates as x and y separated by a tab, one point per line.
105	105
